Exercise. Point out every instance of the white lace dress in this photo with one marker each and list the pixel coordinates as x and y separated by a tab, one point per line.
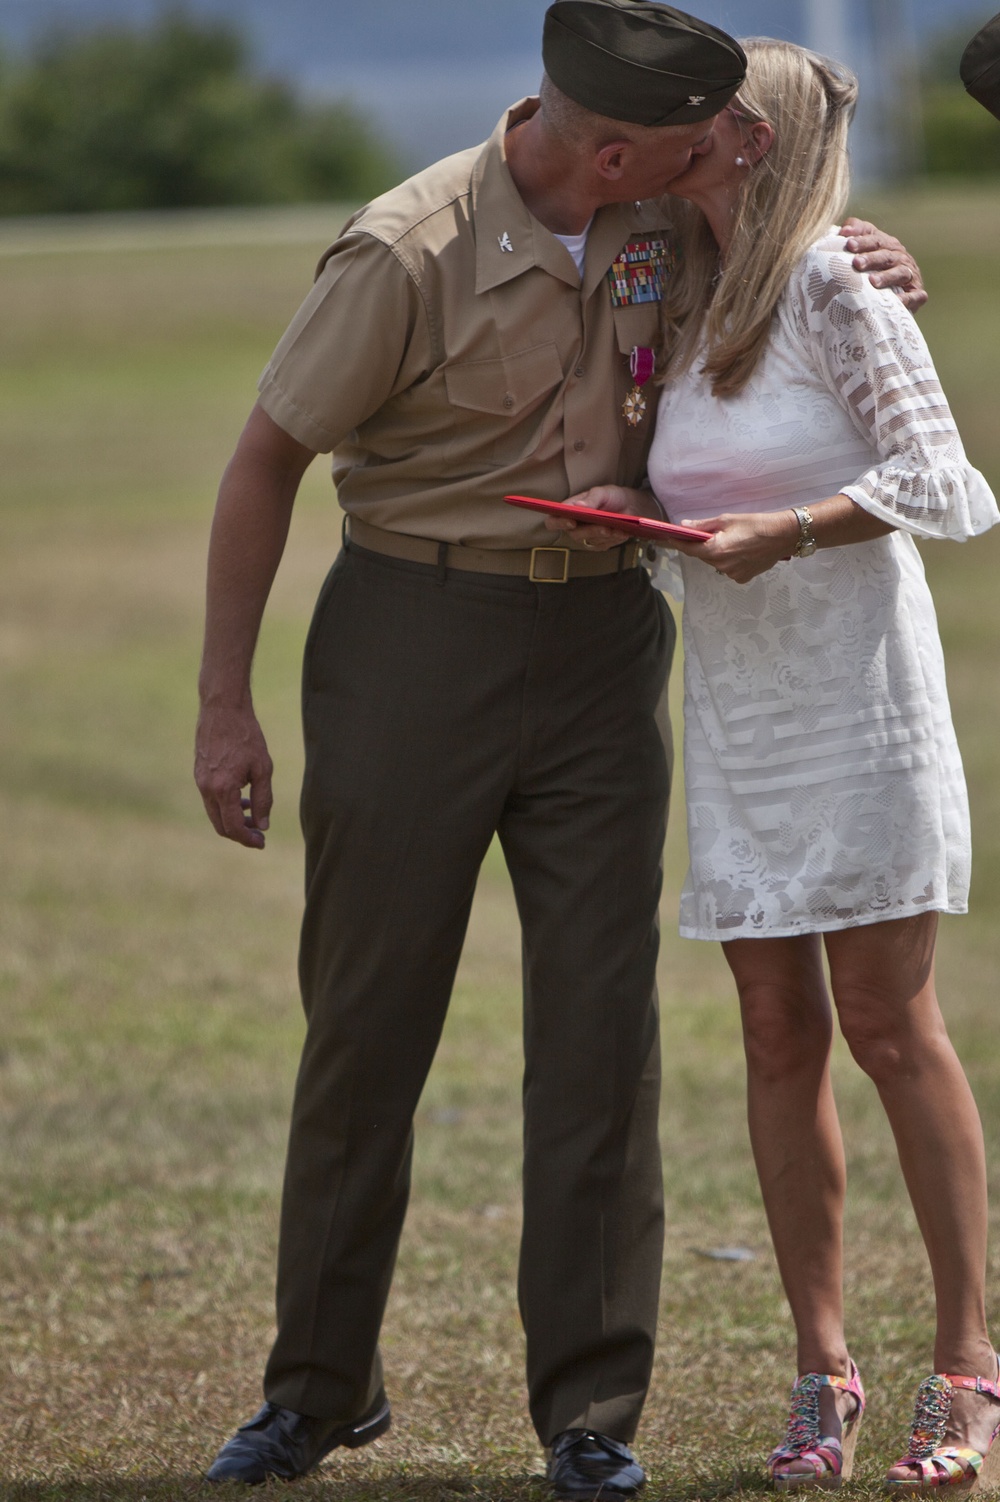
824	784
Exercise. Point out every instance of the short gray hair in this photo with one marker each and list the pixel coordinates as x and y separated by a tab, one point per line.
579	128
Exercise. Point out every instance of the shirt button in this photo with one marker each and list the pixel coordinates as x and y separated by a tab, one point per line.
578	372
508	401
580	445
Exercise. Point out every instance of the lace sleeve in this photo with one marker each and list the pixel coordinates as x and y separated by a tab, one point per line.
868	349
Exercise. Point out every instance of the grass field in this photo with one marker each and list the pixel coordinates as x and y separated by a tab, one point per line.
150	1025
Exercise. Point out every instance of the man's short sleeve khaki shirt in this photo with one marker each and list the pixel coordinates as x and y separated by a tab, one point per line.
448	355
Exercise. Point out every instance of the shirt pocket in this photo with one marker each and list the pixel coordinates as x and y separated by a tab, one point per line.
638	325
502	403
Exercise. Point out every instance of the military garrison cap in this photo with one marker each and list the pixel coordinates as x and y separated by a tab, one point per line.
980	66
639	61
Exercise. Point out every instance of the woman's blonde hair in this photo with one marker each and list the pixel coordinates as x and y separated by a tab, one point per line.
791	196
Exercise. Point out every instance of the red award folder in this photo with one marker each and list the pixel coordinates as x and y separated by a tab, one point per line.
633	526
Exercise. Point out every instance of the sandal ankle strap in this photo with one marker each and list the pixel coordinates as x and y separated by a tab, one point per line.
973	1384
850	1384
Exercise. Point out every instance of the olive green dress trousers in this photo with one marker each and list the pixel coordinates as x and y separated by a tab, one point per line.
440	707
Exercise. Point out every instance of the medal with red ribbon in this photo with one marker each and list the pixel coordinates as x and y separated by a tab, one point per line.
642	363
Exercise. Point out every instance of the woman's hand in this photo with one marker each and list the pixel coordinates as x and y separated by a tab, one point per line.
605	498
744	546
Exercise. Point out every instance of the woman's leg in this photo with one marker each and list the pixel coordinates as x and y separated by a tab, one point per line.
883	985
797	1147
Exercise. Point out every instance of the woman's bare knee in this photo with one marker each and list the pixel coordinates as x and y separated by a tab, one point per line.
783	1033
883	988
785	1009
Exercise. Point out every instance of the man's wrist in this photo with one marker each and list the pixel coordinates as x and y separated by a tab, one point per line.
235	700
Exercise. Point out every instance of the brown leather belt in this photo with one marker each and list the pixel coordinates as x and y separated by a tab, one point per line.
542	565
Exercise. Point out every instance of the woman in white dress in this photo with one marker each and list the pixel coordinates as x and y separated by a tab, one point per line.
801	423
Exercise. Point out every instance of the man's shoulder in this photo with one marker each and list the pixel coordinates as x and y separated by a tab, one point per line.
416	208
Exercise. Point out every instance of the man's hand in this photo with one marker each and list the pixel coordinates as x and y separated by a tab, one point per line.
605	498
231	754
887	261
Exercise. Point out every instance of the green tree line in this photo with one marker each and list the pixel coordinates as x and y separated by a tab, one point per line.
168	117
176	116
960	138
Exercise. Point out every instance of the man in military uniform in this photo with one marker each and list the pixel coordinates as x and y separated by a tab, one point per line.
483	329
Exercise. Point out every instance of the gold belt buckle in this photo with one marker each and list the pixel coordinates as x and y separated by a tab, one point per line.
549	578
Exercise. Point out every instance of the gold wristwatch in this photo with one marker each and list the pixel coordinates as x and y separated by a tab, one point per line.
806	545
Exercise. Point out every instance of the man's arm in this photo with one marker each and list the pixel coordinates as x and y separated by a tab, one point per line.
251	522
886	260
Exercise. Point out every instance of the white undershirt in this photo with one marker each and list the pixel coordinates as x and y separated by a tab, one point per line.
577	245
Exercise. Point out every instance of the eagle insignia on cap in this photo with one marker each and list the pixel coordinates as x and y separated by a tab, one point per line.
696	99
639	272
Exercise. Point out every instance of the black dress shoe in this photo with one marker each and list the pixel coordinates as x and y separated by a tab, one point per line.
586	1465
278	1442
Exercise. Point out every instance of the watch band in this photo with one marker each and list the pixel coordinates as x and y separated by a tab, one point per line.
806	545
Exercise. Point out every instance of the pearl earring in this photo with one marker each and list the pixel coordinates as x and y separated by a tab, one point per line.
741	161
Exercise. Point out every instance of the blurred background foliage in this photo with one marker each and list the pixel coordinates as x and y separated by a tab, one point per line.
960	139
171	116
176	114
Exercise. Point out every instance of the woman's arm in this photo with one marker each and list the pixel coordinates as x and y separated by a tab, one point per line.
745	546
874	360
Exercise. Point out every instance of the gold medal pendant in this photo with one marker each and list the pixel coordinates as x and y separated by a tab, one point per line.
634	407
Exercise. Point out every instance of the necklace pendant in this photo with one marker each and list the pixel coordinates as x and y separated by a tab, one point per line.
634	407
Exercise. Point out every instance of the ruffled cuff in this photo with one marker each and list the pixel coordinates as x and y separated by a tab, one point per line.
953	502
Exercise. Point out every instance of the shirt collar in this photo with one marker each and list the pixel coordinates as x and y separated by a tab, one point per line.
503	220
500	215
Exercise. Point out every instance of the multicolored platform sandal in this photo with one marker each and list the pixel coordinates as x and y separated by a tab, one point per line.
831	1460
935	1464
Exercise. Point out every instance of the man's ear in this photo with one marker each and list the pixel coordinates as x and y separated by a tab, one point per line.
611	161
758	141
